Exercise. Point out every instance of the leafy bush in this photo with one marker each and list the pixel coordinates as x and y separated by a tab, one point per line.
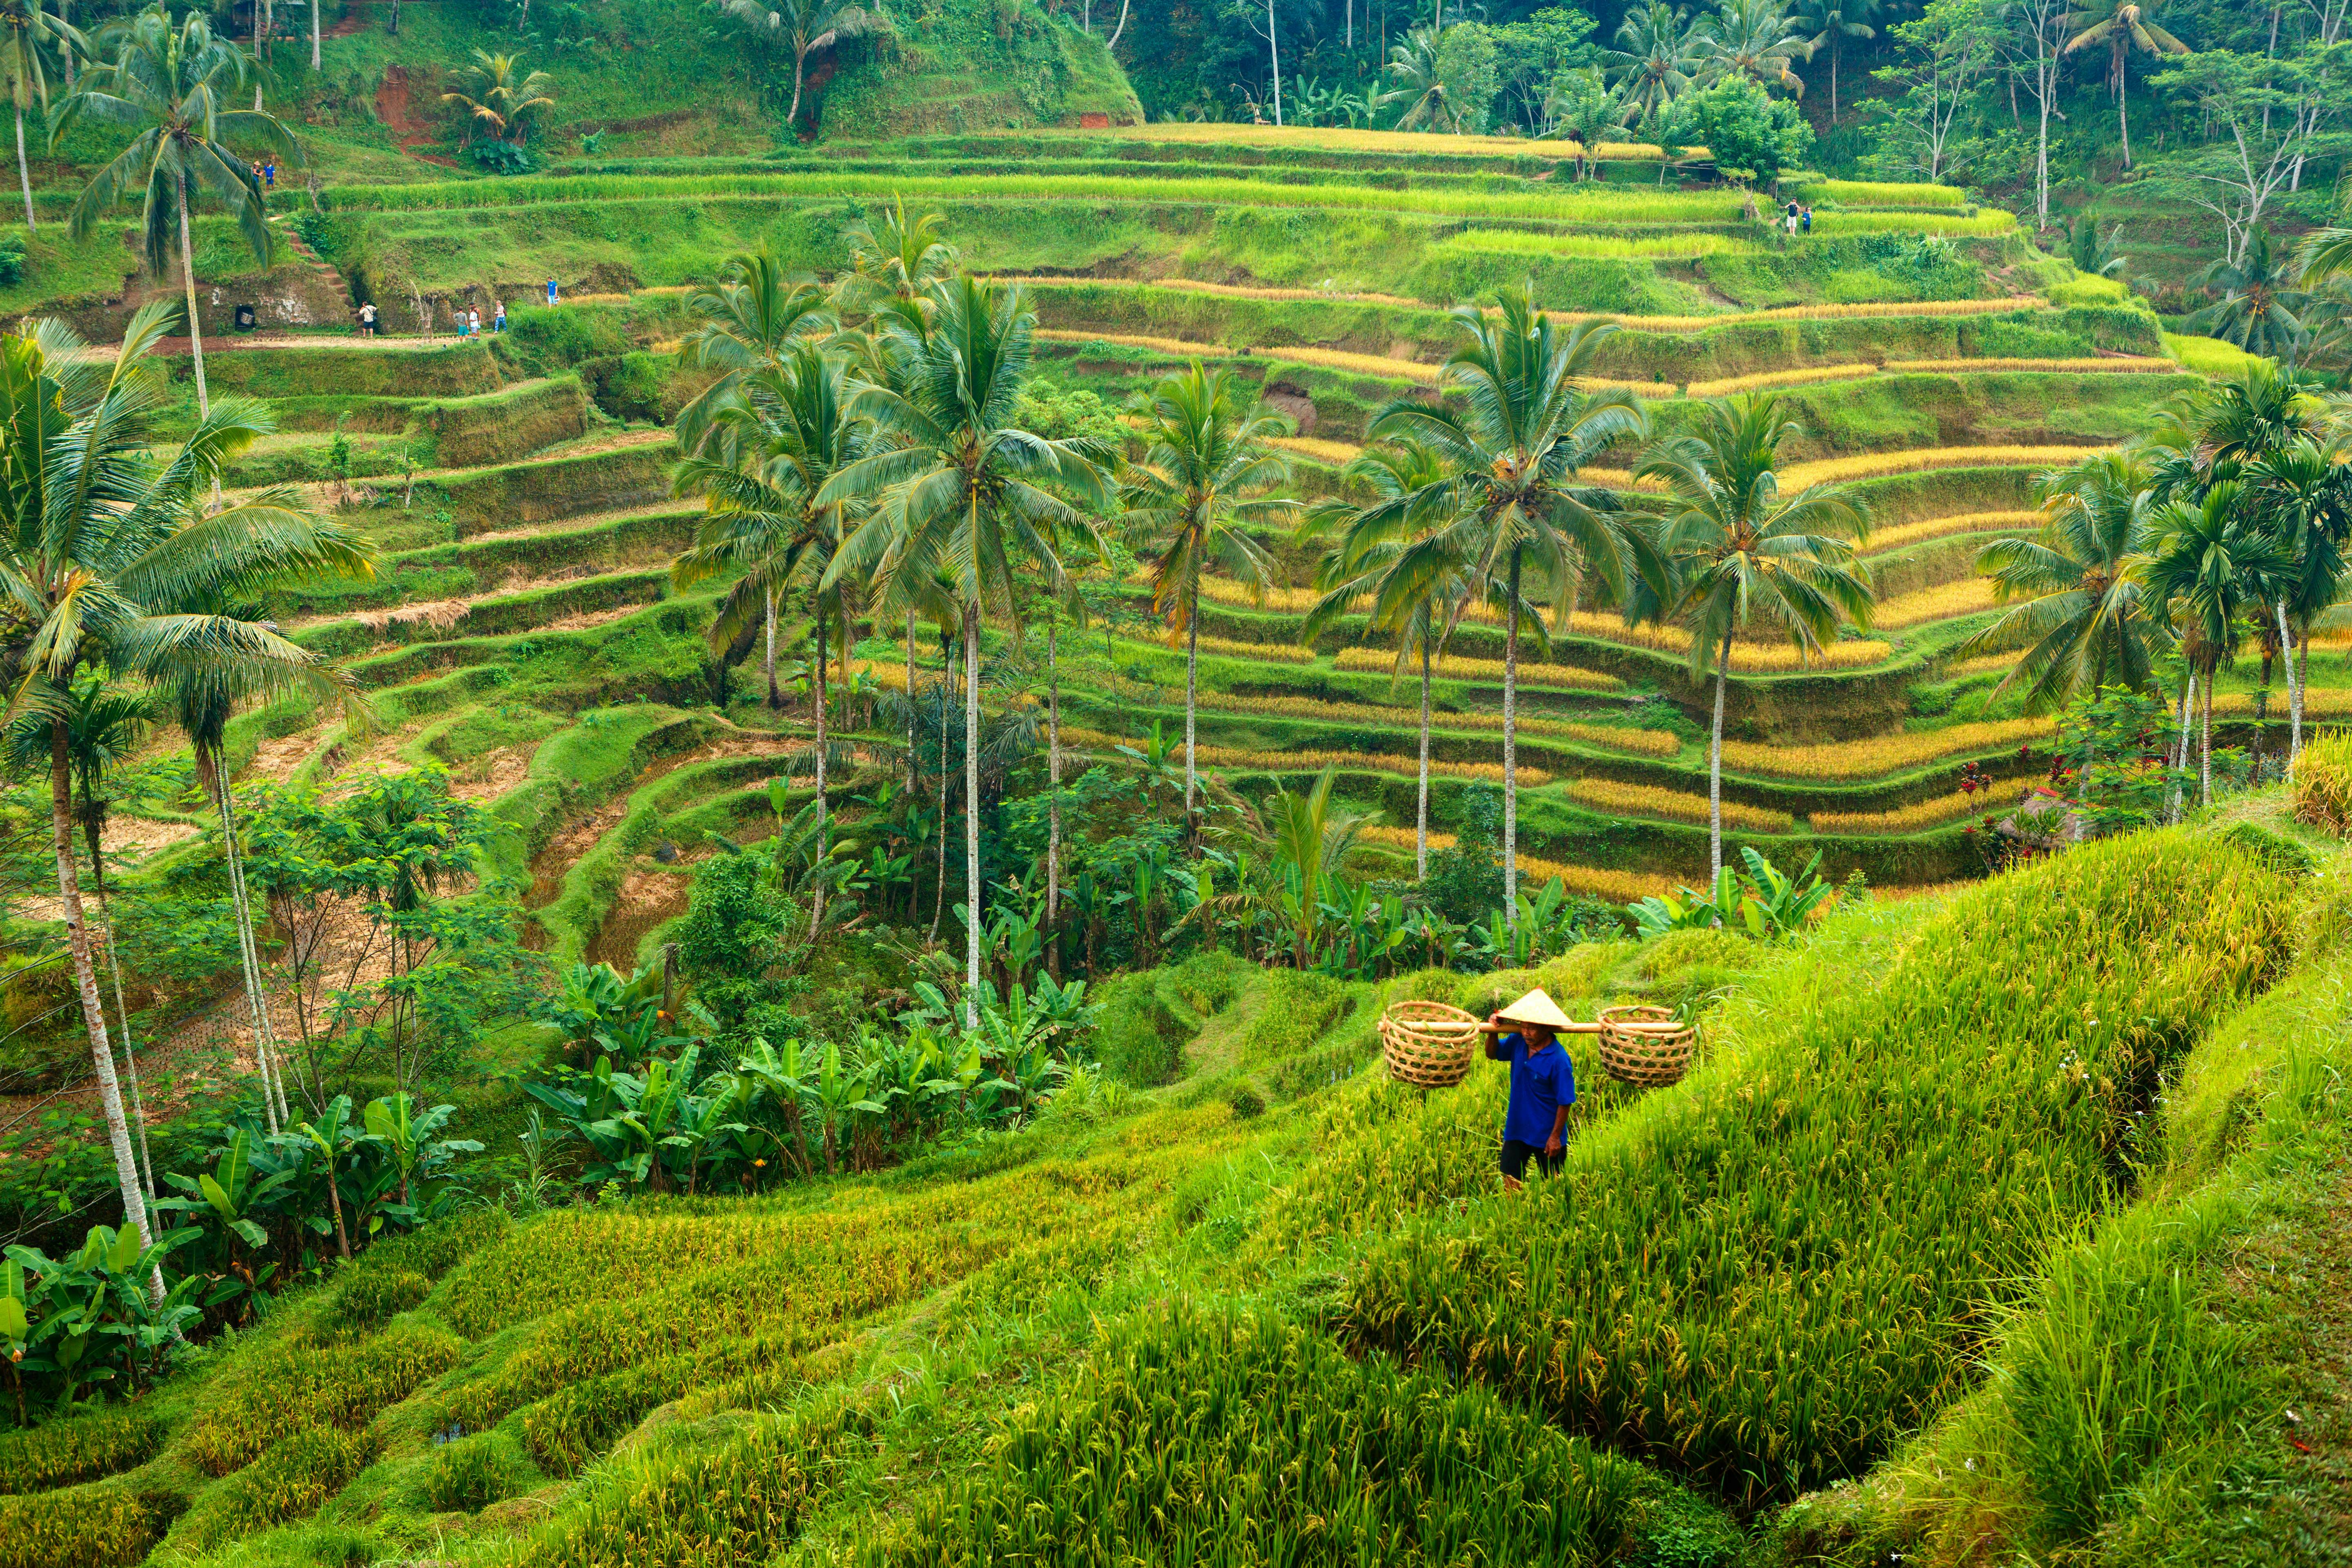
12	263
1767	1364
495	157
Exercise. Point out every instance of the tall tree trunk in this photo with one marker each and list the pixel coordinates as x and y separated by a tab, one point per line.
972	816
2180	751
2046	79
1715	768
2123	111
939	901
1052	807
1273	53
130	1059
816	902
315	5
1511	748
2294	690
196	328
2205	747
1833	63
2302	684
1114	32
93	1012
800	63
1191	700
1420	792
775	698
911	737
24	174
273	1093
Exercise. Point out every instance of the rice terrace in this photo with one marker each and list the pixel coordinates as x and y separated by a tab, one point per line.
1117	782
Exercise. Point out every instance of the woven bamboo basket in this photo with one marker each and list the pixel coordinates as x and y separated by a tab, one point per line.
1428	1044
1645	1046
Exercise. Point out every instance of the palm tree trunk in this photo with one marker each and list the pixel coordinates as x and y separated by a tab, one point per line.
800	63
93	1012
2123	124
1052	807
1511	748
24	174
2294	690
1191	700
2301	685
972	816
1274	52
273	1096
314	65
939	899
2205	747
775	699
1421	793
1833	58
2180	751
1114	32
911	739
1715	769
195	330
129	1060
816	902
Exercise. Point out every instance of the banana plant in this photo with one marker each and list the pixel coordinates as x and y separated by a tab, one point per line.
839	1094
88	1316
410	1139
331	1142
778	1078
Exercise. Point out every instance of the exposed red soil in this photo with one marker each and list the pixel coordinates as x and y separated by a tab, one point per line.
395	109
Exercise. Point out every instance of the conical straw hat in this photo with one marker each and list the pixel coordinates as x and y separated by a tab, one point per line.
1537	1007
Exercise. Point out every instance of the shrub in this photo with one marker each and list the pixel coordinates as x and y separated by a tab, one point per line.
2323	784
288	1481
1776	1268
78	1449
1298	1006
1194	1436
1248	1104
1138	1040
12	263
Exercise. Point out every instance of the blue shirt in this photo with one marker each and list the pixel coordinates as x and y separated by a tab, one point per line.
1540	1085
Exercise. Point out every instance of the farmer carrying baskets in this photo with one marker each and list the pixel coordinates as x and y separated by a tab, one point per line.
1543	1082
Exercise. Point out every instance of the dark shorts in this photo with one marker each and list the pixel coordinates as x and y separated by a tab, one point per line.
1516	1155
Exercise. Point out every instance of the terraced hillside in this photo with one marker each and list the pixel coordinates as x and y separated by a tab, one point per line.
1931	358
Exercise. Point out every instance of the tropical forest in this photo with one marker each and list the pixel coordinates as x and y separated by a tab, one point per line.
1134	784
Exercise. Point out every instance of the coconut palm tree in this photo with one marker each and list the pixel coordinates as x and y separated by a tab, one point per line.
104	558
1757	39
1412	61
893	257
1511	444
2260	303
31	32
2304	496
793	431
164	84
2079	609
805	26
1658	60
1742	553
959	486
1201	486
1305	840
2213	564
2123	25
496	104
1832	22
1360	569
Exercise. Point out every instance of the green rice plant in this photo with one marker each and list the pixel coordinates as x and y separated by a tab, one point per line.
1651	800
1455	666
2208	356
1879	194
1308	759
1298	1007
1602	247
1808	375
1212	1438
1599	881
467	1475
1987	221
101	1526
290	1480
1766	1276
1868	464
2323	784
67	1452
741	1500
1589	204
1643	742
294	1385
1879	754
574	1424
1933	813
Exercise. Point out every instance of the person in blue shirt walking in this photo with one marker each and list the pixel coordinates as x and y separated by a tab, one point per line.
1543	1083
